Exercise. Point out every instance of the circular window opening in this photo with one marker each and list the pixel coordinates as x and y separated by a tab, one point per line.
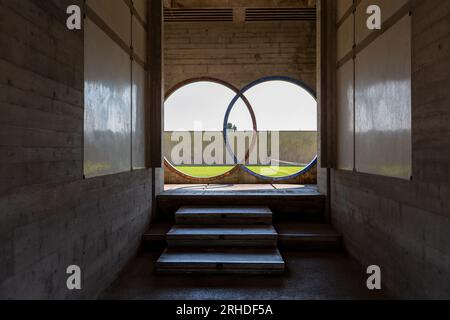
269	127
193	136
286	113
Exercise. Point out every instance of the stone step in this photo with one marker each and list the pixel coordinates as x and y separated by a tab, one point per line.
223	216
222	236
298	236
306	207
220	261
317	237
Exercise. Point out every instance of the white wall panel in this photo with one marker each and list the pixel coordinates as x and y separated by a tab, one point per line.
345	117
342	7
116	15
139	40
383	104
388	9
138	116
141	8
345	38
107	141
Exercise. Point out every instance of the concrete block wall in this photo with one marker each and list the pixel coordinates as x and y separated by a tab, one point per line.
50	217
403	226
240	52
293	147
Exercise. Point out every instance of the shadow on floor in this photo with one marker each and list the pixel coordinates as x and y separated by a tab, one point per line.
309	276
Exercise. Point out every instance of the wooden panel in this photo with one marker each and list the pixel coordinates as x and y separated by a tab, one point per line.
345	38
116	15
345	117
388	9
138	116
107	142
383	104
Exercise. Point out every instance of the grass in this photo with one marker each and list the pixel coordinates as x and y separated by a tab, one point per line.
204	171
214	171
275	172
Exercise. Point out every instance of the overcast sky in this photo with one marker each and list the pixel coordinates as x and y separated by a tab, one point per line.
278	105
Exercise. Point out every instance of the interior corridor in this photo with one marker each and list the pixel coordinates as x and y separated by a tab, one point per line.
226	149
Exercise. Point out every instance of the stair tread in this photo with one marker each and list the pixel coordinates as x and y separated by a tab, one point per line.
244	210
222	230
221	256
284	231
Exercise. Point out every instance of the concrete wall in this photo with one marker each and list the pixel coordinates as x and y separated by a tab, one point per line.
240	52
237	175
50	217
400	225
294	147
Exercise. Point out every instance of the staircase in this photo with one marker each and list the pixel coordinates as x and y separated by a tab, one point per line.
222	240
201	233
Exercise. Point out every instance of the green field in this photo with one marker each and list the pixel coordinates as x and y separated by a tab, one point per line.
214	171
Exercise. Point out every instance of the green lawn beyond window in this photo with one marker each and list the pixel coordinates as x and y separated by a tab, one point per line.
214	171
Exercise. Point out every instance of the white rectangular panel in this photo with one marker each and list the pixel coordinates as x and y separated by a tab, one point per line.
138	116
107	133
342	7
383	104
388	9
345	38
141	8
345	117
139	40
116	14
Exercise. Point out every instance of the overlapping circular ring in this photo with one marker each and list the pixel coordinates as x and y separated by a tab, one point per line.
240	94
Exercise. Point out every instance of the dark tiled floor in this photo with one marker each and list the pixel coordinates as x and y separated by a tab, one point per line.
309	276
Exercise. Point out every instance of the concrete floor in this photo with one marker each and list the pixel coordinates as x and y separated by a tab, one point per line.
309	276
